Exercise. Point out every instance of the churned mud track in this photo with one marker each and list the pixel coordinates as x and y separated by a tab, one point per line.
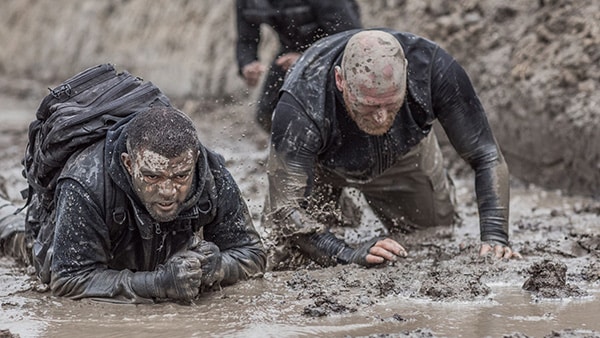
442	289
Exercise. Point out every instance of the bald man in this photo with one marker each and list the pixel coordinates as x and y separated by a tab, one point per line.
357	111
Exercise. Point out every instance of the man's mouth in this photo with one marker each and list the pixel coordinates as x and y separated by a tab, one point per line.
166	206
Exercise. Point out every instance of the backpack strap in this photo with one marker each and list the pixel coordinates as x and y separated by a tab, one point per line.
115	212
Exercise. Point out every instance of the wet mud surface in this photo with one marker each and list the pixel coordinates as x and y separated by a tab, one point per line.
442	289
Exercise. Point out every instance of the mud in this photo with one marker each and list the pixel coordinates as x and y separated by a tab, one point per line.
549	280
442	289
535	65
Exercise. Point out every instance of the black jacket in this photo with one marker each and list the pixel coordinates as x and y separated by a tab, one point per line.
311	129
92	256
298	23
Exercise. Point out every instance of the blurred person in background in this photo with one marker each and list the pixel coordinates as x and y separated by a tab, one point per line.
298	24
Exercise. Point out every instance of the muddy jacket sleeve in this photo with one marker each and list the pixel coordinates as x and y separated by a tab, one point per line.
241	249
295	145
81	254
464	120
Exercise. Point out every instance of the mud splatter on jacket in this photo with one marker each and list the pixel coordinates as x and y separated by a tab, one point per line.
91	258
311	129
298	23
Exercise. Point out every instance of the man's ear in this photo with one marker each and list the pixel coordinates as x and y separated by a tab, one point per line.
127	162
339	79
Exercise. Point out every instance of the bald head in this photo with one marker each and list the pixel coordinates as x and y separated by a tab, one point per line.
374	59
372	79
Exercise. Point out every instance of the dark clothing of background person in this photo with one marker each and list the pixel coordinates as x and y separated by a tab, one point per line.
85	257
298	24
314	143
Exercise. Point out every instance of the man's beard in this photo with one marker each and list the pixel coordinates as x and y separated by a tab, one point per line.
367	125
161	217
372	128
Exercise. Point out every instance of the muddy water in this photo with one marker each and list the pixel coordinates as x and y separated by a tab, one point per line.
350	301
265	309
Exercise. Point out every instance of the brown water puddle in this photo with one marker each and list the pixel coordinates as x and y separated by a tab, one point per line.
262	308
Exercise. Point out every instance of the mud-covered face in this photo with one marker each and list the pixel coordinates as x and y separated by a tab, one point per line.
161	183
372	107
373	110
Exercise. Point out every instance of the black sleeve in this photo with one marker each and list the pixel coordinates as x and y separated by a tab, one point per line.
295	145
248	38
232	230
81	253
463	118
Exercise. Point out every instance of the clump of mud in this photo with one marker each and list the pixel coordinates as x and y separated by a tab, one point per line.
323	301
442	285
592	272
8	334
515	335
548	280
418	333
573	333
324	305
568	333
590	243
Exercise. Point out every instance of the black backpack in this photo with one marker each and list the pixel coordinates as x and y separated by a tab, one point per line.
75	115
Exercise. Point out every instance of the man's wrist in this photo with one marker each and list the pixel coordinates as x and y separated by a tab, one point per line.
493	243
344	256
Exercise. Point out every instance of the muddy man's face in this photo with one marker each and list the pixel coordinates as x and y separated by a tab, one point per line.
372	107
372	79
161	183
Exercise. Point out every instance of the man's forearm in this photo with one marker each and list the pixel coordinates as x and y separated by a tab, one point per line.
493	194
325	249
242	263
120	286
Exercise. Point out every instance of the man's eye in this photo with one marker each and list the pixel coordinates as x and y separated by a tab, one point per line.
150	177
181	177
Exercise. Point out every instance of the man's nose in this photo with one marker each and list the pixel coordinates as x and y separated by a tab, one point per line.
166	188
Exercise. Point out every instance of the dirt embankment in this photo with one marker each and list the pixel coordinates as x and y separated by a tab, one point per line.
535	64
536	67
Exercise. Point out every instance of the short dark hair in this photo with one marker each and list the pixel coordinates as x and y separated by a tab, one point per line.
164	130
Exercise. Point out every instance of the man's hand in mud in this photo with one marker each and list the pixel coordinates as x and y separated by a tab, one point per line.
181	275
499	251
287	60
384	250
210	258
252	73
